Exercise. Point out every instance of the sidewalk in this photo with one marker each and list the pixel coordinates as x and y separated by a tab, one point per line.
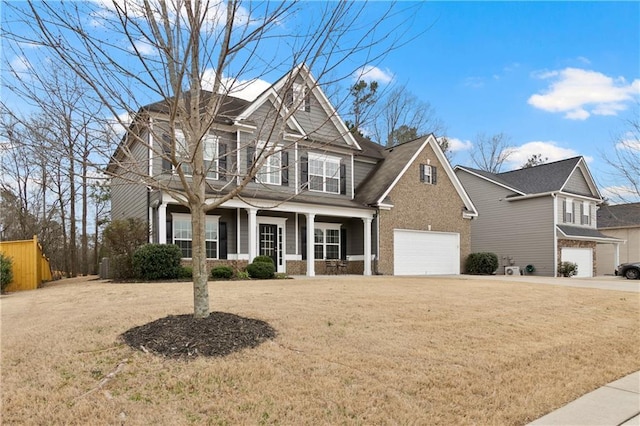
615	404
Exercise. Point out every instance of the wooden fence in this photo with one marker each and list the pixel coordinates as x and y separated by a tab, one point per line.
29	264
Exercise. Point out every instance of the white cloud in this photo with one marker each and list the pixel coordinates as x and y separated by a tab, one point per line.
579	93
370	73
629	142
144	48
620	194
457	145
20	64
549	150
244	89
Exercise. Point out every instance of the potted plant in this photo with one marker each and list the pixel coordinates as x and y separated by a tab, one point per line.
567	269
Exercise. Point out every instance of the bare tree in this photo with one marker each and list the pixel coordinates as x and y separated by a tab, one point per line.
147	51
490	152
402	116
624	161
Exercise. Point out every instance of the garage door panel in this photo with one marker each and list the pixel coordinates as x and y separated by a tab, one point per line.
426	253
583	257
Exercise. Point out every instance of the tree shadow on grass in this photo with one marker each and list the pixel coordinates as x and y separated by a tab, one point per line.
187	337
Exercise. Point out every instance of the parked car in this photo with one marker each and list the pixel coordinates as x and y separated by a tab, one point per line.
629	270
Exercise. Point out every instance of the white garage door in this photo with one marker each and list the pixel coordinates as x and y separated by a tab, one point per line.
583	257
425	253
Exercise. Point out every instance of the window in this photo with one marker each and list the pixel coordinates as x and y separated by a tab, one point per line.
327	241
428	174
585	209
324	173
568	210
299	96
210	154
271	170
182	235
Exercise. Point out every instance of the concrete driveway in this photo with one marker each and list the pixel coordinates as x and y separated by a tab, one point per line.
603	282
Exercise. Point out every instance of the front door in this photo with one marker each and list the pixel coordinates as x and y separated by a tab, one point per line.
270	244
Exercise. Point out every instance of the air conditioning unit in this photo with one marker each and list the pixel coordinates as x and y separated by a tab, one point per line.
512	270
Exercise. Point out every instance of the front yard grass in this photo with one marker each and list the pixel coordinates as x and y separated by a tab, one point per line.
351	350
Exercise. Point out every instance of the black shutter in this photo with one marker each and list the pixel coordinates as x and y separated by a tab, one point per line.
434	174
304	172
222	161
421	172
307	99
343	179
303	242
222	240
343	243
250	153
169	235
288	97
166	150
284	176
564	210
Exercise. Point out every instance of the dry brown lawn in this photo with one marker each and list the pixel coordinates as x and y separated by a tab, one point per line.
353	350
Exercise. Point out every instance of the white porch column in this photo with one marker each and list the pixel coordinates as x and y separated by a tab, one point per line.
162	223
311	265
367	245
252	233
616	255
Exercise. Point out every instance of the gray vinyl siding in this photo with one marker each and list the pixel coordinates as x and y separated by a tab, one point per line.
577	184
128	197
521	230
361	170
316	123
577	219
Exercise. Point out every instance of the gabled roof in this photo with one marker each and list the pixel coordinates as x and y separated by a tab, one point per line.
230	107
382	179
541	179
619	216
369	148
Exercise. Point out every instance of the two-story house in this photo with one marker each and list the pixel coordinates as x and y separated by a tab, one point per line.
537	217
322	196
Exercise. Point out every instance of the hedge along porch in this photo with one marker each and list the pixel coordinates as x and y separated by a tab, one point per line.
240	230
29	264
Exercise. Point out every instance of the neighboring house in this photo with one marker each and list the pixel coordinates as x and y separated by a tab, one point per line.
620	221
538	216
325	196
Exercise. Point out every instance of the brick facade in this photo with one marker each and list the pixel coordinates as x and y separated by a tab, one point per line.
418	206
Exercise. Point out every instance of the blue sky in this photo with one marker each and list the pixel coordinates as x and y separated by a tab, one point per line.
559	78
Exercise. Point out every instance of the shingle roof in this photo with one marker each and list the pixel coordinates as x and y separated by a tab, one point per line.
230	108
369	148
387	170
582	232
535	180
620	215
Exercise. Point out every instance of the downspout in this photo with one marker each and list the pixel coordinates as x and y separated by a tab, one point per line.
377	218
554	196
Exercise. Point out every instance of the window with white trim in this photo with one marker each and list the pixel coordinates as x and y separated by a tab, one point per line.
300	97
271	170
324	173
182	235
586	213
568	210
327	241
209	152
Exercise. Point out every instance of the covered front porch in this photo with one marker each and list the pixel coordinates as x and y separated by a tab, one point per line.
241	229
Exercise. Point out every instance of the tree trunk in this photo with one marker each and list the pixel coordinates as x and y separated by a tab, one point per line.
85	237
199	256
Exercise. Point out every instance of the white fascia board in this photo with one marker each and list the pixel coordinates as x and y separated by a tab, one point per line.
580	197
452	176
596	239
288	207
270	94
402	172
582	165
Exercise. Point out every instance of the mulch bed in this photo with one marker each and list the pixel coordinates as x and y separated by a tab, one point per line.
185	337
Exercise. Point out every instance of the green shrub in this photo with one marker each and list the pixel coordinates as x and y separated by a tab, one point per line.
483	263
157	262
122	239
121	267
222	272
263	259
242	275
185	272
567	269
6	272
261	270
